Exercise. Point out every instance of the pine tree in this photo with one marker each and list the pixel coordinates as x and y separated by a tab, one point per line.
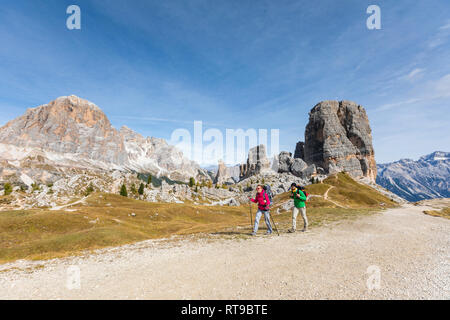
133	189
123	191
141	189
191	182
149	180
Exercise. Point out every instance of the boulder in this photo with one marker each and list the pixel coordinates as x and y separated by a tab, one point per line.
297	167
285	161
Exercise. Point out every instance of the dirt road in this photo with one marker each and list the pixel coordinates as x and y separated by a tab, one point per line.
406	250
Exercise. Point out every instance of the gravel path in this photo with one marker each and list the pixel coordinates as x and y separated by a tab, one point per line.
410	250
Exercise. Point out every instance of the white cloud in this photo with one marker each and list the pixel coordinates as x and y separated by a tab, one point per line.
442	87
441	36
416	73
445	27
389	106
435	89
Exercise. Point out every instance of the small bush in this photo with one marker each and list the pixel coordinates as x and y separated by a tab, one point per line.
8	188
89	190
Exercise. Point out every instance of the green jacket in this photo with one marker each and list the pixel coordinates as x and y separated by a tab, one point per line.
298	202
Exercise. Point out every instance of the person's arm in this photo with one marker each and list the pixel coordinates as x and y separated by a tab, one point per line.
301	195
266	198
252	200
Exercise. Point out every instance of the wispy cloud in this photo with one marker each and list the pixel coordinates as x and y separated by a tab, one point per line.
416	73
389	106
445	26
440	37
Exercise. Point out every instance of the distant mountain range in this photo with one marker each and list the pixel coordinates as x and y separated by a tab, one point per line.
425	178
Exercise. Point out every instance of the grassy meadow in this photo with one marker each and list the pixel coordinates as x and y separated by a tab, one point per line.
104	220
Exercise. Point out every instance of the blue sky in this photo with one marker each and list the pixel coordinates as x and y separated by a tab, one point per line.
156	66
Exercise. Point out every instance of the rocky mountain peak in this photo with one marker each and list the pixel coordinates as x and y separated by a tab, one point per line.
67	125
427	178
72	129
338	138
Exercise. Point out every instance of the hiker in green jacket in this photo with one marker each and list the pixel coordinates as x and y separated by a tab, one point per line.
299	204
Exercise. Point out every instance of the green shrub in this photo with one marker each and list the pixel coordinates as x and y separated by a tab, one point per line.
8	188
89	190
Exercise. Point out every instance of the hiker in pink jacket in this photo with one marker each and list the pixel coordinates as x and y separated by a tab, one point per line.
262	199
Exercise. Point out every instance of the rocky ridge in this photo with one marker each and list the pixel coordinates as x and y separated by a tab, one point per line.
426	178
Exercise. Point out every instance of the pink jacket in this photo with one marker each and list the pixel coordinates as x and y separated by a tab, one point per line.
259	199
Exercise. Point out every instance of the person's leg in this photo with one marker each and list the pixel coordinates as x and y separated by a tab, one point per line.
267	220
294	219
257	217
305	219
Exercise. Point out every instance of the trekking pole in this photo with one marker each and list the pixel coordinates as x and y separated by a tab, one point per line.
251	218
274	225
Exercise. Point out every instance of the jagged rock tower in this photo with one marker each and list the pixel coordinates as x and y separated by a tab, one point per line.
338	138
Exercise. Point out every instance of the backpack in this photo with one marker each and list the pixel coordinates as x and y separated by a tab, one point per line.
305	193
269	192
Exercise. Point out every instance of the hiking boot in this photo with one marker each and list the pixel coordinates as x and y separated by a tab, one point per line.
305	229
253	234
291	230
268	233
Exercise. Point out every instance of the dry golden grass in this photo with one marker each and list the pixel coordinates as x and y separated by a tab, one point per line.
105	220
443	213
350	193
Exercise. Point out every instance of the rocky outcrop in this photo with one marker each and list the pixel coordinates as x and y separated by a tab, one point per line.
299	150
224	174
338	138
256	162
295	166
